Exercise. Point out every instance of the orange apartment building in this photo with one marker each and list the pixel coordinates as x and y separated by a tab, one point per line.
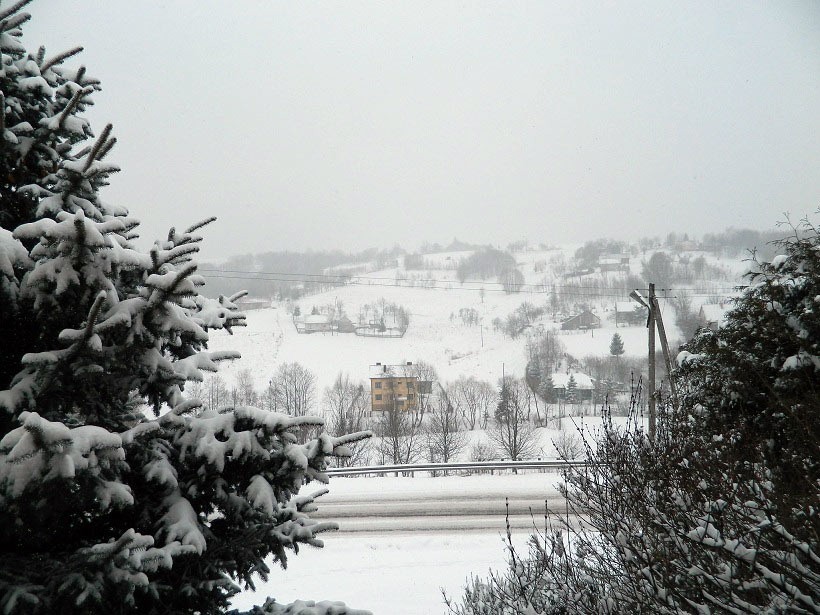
393	387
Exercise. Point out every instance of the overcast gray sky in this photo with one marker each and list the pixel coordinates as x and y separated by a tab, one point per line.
358	124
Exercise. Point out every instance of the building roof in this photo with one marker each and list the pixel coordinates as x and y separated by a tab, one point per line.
626	306
402	370
317	319
560	380
582	313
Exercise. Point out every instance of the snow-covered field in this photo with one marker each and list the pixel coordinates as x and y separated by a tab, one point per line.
435	335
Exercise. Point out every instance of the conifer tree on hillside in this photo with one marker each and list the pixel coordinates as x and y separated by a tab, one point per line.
616	346
572	390
119	492
546	388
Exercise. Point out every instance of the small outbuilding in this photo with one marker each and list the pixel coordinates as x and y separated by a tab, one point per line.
584	320
317	323
629	313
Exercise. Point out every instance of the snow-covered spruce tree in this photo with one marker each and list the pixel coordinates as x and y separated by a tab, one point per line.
41	101
720	513
117	492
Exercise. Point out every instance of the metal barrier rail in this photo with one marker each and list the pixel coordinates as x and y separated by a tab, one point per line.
530	464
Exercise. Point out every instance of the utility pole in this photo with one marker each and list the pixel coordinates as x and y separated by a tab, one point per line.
666	357
652	305
651	324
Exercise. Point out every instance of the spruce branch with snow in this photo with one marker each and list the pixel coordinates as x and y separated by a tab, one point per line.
118	491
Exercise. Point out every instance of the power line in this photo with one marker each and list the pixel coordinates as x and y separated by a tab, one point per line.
436	285
355	278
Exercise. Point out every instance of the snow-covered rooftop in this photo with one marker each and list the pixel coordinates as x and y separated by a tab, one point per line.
392	371
560	380
626	306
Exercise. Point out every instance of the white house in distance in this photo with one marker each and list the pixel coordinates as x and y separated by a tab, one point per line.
583	385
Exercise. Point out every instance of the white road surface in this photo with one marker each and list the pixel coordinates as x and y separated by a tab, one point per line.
404	540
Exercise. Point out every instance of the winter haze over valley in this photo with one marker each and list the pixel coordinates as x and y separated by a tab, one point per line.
407	309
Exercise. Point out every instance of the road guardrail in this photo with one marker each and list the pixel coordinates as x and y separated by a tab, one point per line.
528	464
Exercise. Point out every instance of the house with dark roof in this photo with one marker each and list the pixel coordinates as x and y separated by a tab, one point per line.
584	320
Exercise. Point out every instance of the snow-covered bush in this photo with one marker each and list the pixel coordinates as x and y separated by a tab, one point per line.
118	492
719	514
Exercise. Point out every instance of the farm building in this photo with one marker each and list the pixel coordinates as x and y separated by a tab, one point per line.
584	386
247	304
584	320
629	313
313	323
614	262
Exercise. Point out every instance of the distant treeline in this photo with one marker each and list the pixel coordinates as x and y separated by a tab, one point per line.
484	264
290	275
740	242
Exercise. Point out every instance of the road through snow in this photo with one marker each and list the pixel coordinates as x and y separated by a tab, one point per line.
402	540
440	509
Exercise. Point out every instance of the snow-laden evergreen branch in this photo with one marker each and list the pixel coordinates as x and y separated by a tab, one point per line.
103	507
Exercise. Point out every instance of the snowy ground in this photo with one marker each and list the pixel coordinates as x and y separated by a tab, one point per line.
453	348
402	572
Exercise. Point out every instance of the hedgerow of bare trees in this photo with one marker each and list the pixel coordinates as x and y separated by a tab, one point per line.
475	399
445	437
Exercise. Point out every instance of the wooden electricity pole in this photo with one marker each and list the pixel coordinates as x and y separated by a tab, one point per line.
655	320
673	393
651	326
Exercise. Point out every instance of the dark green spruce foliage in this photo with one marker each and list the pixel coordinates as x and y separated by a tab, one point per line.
117	492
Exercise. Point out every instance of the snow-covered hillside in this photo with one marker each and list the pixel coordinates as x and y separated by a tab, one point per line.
436	334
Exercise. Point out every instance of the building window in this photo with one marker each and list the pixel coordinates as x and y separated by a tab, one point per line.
378	385
409	385
378	397
410	397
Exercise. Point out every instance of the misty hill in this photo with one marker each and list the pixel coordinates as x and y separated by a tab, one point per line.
474	325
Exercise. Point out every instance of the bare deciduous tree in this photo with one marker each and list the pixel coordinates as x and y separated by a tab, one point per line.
345	405
475	399
513	433
445	439
400	435
293	389
244	393
215	392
